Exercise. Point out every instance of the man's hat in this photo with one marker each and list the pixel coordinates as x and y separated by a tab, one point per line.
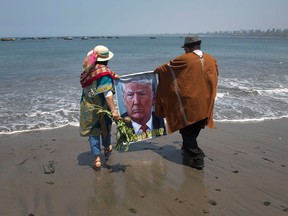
191	40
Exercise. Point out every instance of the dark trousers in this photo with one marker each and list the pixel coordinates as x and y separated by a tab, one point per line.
190	134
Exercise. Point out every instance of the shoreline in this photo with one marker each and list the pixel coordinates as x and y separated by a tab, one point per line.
243	121
245	174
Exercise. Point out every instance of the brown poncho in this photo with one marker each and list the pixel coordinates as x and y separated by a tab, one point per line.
187	90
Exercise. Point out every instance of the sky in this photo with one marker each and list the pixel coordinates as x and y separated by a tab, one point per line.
27	18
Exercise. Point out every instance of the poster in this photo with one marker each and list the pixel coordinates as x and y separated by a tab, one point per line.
135	94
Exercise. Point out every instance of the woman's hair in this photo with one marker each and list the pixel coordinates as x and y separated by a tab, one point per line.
102	62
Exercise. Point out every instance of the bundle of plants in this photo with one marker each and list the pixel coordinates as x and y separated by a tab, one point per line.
124	133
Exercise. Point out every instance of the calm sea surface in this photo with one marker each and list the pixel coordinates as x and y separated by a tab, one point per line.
40	78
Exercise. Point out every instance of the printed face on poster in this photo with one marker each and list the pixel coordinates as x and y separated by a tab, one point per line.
135	95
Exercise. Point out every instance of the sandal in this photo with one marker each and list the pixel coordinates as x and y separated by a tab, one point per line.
97	163
108	150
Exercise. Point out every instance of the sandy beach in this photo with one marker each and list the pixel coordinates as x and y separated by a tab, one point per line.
49	173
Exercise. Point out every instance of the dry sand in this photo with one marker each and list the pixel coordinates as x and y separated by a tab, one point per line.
245	174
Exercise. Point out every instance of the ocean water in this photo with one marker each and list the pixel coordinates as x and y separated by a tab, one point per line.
40	86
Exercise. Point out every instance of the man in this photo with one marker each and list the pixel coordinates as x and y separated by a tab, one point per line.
139	98
185	96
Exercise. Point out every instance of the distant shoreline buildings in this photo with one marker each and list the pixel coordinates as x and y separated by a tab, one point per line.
279	33
253	33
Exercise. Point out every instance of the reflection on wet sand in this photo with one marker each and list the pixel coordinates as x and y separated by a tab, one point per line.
148	185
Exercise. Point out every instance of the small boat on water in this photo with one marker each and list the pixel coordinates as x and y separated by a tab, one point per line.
68	38
7	39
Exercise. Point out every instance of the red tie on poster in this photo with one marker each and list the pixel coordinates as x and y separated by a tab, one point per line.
144	128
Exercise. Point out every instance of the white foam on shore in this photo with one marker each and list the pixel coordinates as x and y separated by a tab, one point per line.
250	120
74	124
38	129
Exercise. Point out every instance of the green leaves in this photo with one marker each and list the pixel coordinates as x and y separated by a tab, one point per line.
124	134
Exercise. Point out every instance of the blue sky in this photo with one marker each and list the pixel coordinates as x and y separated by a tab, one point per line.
128	17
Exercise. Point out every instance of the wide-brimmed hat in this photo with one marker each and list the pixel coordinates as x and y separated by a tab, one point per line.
103	53
90	52
191	40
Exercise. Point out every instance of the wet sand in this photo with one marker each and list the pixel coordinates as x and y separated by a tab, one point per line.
49	173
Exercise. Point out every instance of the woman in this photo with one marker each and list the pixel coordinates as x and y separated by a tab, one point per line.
98	90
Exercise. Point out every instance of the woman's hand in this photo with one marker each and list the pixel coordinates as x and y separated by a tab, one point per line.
117	76
115	115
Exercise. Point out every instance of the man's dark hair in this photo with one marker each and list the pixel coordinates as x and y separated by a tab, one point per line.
192	45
